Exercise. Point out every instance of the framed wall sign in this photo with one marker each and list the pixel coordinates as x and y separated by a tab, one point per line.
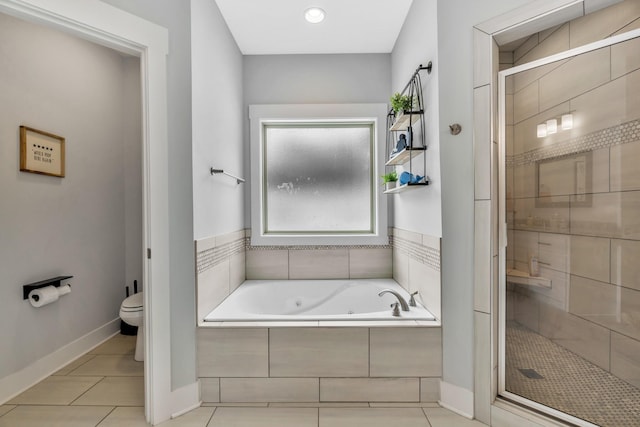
41	152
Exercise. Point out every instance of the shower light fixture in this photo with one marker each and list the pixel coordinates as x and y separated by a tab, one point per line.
552	126
567	121
314	15
542	130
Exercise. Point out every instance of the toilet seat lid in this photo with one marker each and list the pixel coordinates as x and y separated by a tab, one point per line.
132	302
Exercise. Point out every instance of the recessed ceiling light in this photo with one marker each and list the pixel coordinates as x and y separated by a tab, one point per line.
314	15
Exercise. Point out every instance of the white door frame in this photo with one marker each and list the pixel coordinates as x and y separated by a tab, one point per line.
112	27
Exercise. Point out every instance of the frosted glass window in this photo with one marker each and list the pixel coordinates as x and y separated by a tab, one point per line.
318	178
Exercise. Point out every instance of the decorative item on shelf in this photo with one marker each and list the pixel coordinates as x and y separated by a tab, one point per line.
390	180
409	178
400	145
401	103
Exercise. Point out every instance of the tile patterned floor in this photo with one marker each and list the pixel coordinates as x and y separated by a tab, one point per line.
569	383
105	388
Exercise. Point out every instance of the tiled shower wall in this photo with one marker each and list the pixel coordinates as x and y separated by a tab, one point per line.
586	233
223	263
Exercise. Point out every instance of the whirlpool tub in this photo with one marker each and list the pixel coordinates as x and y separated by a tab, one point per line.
302	300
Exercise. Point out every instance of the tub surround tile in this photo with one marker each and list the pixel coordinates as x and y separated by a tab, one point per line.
264	417
530	43
233	352
269	390
407	235
525	102
114	391
401	268
319	352
524	179
369	389
543	214
426	281
55	390
370	263
430	390
225	239
205	244
267	264
553	251
210	389
525	245
406	352
625	269
237	270
524	133
557	41
55	416
319	264
212	288
590	257
625	358
632	26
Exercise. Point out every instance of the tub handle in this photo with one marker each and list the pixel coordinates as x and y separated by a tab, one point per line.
396	309
412	301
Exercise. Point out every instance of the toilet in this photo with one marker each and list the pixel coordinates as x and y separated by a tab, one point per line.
131	313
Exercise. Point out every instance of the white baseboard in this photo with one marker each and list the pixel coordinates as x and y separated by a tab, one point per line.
456	399
14	384
185	399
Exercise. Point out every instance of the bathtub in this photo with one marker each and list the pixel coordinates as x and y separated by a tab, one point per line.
302	300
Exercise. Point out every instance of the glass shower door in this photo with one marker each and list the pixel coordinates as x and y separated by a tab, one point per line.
570	274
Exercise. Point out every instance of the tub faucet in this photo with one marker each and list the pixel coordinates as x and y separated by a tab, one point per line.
403	303
412	301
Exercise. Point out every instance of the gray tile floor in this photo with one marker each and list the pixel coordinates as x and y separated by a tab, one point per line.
105	388
568	382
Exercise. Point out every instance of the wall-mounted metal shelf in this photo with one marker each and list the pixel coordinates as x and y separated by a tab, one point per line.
405	187
410	127
403	157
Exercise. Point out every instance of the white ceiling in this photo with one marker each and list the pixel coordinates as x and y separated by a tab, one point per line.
266	27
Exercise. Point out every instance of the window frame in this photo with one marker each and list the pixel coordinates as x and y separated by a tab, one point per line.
261	115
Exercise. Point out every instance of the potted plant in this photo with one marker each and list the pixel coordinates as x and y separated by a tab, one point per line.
401	103
389	180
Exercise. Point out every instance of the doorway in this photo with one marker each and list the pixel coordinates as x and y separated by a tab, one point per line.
569	334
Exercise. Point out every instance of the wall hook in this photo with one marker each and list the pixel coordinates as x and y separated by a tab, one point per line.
455	129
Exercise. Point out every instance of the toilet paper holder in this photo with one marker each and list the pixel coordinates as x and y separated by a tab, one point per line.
56	281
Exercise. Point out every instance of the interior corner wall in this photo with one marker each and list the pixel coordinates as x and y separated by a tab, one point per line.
311	79
74	225
456	19
176	17
218	121
420	211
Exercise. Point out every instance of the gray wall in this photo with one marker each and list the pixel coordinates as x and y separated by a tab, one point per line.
176	17
74	225
456	19
312	79
420	210
217	123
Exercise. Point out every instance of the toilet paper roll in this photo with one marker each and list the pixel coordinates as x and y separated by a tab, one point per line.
43	296
63	290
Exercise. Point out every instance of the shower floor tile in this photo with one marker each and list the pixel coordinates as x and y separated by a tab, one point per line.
569	383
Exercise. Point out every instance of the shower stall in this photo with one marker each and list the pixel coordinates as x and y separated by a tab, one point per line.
569	340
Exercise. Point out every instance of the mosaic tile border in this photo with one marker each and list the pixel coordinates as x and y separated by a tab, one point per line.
424	254
209	258
610	137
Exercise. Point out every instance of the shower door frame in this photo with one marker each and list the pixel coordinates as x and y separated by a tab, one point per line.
502	220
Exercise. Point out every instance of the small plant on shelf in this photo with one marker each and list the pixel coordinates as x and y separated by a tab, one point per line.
389	180
401	103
